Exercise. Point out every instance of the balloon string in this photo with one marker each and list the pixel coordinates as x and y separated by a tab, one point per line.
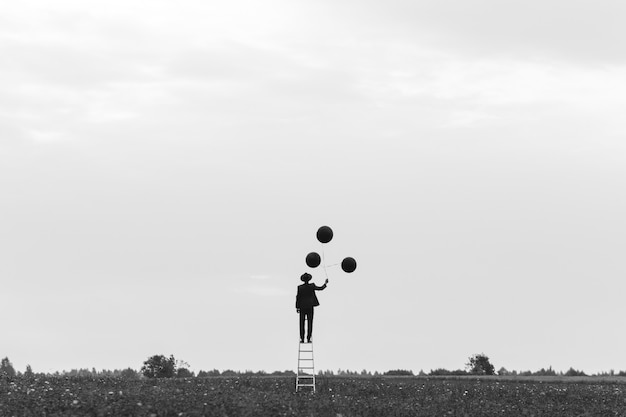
324	262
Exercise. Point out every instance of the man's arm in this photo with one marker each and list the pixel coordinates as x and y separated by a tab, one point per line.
323	286
298	300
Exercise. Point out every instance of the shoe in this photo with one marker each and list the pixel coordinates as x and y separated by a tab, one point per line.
308	341
301	340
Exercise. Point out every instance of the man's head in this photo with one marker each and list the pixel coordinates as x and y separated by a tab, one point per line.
306	277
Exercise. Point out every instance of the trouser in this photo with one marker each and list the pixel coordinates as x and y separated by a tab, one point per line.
306	313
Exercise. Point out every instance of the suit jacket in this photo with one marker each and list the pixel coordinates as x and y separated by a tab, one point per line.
306	297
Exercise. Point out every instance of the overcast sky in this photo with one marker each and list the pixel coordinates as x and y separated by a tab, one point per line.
164	167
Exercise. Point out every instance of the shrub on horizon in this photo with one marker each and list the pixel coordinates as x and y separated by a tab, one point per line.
158	366
399	372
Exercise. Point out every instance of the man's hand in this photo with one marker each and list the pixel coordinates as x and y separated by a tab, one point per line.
297	310
326	281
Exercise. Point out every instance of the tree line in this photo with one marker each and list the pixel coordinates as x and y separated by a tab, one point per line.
160	366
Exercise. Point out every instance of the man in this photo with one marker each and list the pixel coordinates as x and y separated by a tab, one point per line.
306	300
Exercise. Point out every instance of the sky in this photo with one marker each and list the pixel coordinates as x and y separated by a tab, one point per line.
164	168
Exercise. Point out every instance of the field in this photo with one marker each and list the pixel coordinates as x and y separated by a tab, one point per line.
336	397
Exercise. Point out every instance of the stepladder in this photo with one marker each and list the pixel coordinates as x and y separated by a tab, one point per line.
305	377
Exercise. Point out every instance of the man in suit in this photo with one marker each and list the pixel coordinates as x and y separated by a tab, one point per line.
306	300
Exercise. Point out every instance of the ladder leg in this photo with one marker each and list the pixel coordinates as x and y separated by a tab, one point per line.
305	376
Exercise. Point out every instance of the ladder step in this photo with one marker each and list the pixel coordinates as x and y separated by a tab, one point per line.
306	370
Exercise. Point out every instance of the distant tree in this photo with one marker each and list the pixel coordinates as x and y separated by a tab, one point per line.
158	366
503	371
204	374
545	372
398	372
184	373
445	372
479	365
574	372
249	372
182	370
129	373
29	372
439	371
288	373
6	368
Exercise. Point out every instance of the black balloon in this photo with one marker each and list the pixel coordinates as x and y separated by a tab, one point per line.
348	265
313	259
324	234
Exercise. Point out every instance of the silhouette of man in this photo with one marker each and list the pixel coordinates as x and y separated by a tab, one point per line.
306	300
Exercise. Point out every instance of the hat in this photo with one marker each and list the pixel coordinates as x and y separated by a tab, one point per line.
306	277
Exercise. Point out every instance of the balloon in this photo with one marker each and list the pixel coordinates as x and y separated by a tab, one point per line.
348	265
324	234
313	259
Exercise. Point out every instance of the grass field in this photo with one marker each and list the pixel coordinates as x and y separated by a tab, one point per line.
336	397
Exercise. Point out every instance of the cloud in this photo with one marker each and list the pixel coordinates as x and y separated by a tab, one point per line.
582	31
62	76
77	71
